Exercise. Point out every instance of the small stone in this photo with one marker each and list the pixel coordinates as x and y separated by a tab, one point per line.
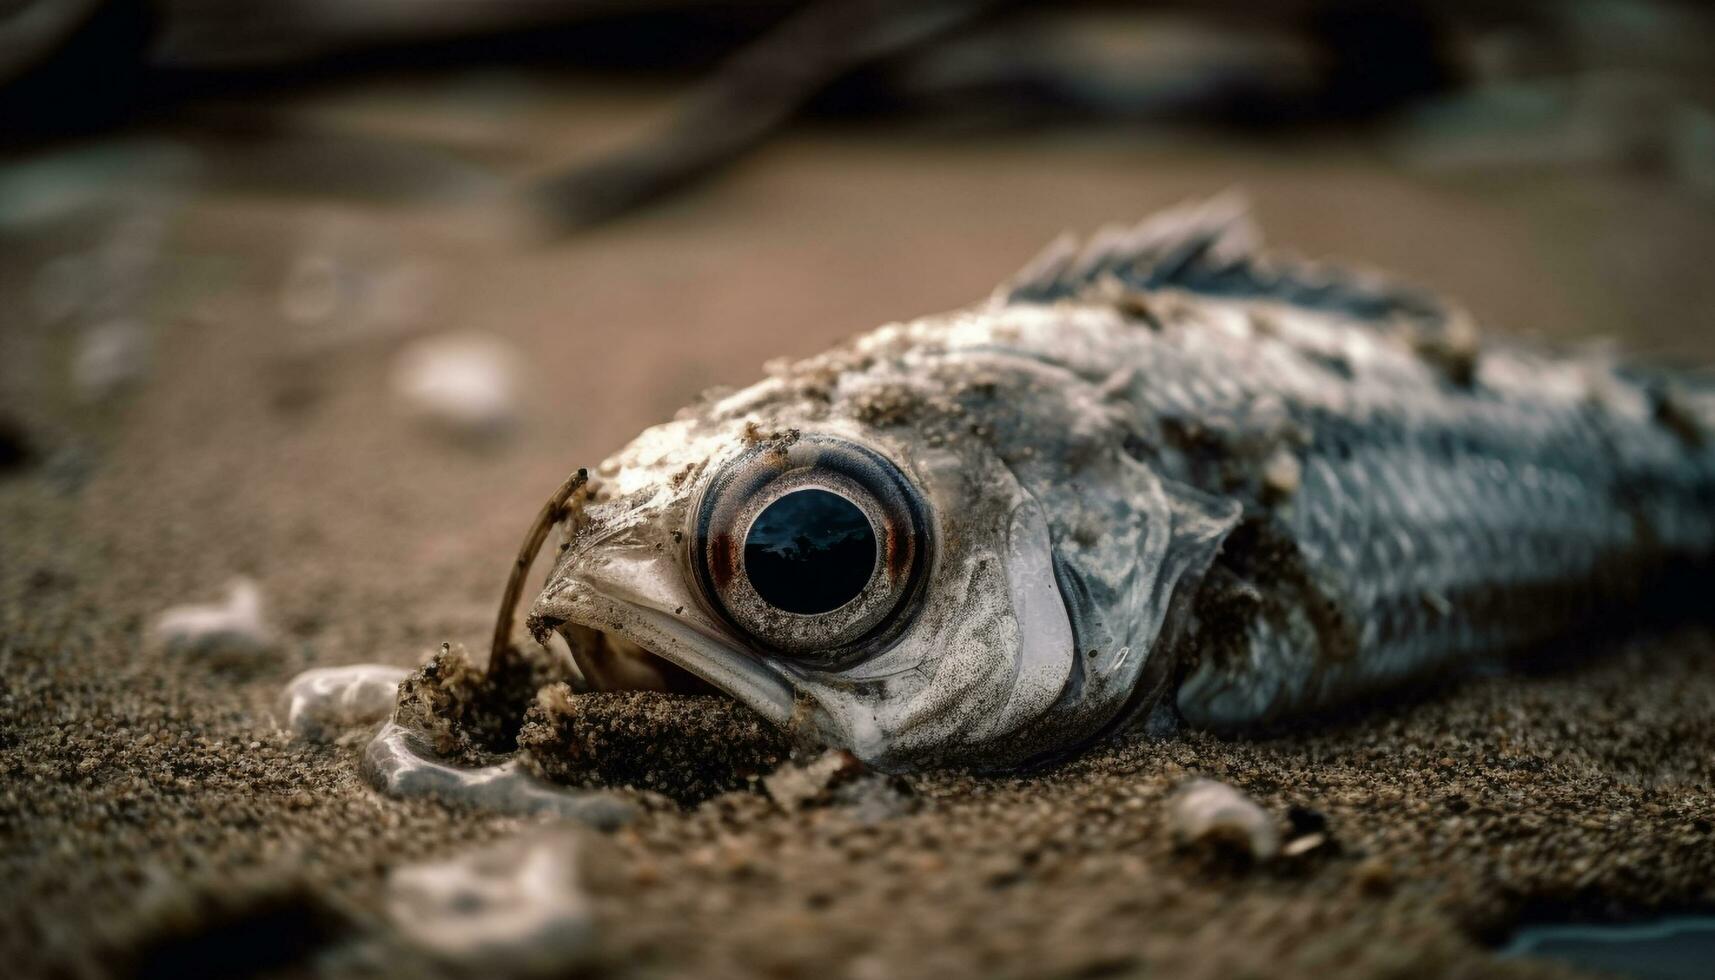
518	904
465	383
1204	812
1308	832
795	784
1299	846
237	625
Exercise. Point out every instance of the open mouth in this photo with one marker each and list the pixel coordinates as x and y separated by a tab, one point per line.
610	662
620	634
625	646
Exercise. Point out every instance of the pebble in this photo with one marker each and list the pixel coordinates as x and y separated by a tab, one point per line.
795	784
234	625
464	382
320	703
518	904
837	779
1209	813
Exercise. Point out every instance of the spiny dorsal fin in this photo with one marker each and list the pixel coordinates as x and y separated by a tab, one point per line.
1211	247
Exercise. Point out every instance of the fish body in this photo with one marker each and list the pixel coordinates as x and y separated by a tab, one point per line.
1161	473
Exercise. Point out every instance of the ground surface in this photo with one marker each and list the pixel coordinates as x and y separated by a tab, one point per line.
147	794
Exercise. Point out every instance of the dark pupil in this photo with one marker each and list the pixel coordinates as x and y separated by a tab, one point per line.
811	551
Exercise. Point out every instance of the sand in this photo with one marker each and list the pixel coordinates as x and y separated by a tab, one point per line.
153	815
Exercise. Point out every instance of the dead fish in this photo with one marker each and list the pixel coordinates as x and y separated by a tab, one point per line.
1162	473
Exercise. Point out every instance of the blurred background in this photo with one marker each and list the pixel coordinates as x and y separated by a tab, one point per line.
374	269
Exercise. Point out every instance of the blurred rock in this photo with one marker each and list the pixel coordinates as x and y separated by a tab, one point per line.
322	702
465	383
1206	813
795	784
1308	834
236	625
838	780
517	905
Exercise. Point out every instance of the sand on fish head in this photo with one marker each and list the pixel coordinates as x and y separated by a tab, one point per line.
685	746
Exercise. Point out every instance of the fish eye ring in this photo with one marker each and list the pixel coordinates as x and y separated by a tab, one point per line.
811	546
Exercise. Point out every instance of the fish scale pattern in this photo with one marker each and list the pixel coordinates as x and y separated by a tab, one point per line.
1430	524
1423	503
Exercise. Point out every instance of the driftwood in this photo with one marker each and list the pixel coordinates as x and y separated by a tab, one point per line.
754	93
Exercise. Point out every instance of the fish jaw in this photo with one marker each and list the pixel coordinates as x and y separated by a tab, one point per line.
682	641
622	574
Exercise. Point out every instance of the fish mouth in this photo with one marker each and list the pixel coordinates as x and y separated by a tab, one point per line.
621	645
610	662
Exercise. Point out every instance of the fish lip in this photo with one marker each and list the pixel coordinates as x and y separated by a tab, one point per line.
728	668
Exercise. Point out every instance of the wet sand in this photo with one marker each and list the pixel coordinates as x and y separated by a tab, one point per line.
153	809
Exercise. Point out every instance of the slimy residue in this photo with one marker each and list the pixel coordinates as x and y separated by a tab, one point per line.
399	766
322	702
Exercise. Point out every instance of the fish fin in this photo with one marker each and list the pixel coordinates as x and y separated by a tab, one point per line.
1212	247
1167	240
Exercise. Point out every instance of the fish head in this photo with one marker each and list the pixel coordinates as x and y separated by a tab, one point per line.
897	560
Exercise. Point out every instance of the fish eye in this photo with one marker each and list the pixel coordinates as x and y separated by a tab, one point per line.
811	551
814	548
